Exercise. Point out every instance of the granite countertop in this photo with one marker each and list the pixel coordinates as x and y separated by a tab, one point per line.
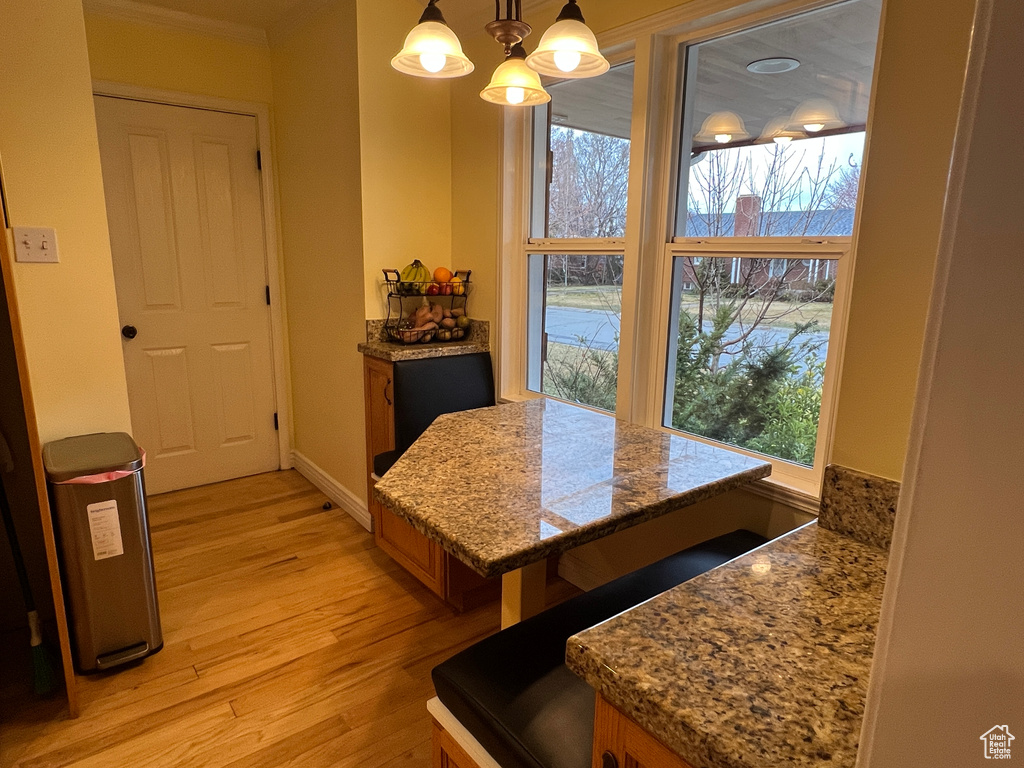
761	662
389	350
377	345
506	486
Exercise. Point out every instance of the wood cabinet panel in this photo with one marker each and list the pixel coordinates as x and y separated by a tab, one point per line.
444	575
423	558
620	743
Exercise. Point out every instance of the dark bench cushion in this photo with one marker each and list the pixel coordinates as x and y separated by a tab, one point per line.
512	690
426	388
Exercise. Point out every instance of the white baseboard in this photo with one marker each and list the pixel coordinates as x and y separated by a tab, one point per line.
334	490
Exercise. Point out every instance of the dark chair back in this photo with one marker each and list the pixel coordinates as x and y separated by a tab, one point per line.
424	389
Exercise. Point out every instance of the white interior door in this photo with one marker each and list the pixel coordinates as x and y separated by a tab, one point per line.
186	231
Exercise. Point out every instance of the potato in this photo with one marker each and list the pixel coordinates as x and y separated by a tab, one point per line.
448	322
447	312
458	333
427	337
436	312
458	311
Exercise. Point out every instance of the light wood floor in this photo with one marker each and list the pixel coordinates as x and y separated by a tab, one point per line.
290	640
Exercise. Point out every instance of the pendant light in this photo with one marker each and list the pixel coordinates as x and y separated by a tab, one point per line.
432	49
816	115
778	130
514	84
569	48
722	128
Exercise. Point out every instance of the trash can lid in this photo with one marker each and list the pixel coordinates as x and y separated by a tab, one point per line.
90	455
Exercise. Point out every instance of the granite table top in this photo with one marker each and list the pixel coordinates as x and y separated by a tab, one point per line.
504	487
761	662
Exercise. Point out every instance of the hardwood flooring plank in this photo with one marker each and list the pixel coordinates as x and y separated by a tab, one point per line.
290	640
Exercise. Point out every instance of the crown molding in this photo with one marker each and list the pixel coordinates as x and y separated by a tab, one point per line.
165	18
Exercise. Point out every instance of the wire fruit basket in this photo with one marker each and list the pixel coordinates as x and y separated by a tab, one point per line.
427	312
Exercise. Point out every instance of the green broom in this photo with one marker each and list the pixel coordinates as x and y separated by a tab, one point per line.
43	674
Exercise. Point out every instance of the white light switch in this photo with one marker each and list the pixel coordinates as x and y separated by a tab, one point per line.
35	244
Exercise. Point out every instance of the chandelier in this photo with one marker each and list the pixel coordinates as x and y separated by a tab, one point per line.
568	49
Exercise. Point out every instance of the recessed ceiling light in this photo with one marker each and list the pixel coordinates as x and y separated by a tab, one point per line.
772	66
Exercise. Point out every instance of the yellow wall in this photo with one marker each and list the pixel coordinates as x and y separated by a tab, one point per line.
317	141
406	160
476	182
176	60
52	177
923	56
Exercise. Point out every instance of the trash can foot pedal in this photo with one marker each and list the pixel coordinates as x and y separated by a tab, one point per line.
108	660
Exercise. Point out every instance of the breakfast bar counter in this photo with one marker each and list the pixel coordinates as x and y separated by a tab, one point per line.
761	662
503	488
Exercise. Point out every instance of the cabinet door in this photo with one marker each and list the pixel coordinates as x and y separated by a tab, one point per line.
380	408
620	743
403	543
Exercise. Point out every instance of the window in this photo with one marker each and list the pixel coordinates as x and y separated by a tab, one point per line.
581	151
770	161
710	299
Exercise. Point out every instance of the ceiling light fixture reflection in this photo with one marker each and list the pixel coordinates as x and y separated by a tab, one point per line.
722	128
816	115
778	130
775	66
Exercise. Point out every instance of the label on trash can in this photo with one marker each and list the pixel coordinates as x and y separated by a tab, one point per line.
105	528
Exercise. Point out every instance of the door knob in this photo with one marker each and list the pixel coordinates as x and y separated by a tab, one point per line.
129	332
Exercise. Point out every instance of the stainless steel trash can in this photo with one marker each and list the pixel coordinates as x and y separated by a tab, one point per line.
99	502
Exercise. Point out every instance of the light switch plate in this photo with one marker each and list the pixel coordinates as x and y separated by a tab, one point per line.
36	245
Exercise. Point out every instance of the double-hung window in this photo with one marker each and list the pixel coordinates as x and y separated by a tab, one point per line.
581	151
681	250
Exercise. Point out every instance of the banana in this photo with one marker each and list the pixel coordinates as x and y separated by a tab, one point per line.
415	278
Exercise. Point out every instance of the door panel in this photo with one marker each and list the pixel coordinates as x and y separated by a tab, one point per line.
185	213
168	388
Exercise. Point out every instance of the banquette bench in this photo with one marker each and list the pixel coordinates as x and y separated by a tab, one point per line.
511	697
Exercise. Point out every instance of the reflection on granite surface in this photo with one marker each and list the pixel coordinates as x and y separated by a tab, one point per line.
503	487
763	661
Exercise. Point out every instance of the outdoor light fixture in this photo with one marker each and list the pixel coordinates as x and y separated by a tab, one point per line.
722	127
432	49
778	130
514	84
567	50
816	115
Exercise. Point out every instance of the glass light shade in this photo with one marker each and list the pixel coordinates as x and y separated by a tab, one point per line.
432	50
778	130
514	84
722	127
815	115
568	50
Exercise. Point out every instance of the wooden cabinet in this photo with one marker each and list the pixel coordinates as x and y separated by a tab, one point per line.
444	575
620	743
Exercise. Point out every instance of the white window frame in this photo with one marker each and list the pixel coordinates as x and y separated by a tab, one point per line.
655	45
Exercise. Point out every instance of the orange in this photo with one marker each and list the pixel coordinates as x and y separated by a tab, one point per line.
442	275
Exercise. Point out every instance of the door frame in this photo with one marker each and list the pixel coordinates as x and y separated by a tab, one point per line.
271	228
